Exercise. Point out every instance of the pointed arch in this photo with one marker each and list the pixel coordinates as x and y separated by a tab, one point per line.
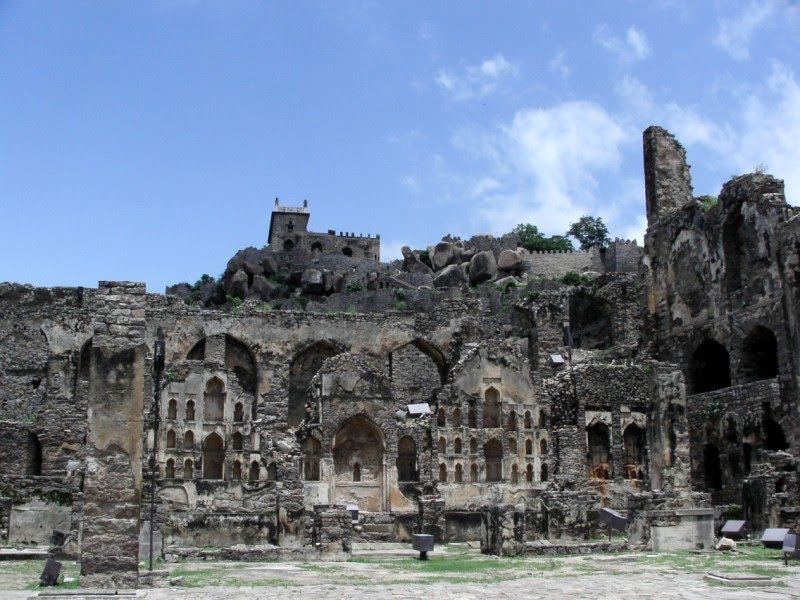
190	410
188	440
493	455
407	459
198	351
213	457
188	469
169	469
214	400
491	408
237	441
171	439
241	362
236	473
172	409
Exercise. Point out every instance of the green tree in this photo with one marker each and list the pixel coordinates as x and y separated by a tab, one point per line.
534	241
590	231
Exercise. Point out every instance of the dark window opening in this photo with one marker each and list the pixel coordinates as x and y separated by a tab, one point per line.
491	408
237	441
347	251
599	452
774	438
543	472
288	245
190	410
709	368
473	473
188	441
272	472
255	471
493	454
172	409
188	469
407	459
443	473
529	473
759	355
213	456
356	472
169	471
459	473
312	451
33	465
238	413
528	422
590	322
712	468
473	446
237	471
633	452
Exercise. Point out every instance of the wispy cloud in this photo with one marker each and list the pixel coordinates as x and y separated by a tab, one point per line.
628	49
762	126
734	33
477	80
545	163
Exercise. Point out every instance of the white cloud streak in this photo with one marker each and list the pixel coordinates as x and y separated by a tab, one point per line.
477	81
545	163
633	47
734	33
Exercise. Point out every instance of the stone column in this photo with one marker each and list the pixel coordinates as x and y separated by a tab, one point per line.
113	480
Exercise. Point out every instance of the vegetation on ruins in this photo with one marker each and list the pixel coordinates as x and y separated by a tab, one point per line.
534	241
590	232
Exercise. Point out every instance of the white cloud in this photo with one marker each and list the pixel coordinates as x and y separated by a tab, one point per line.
477	81
762	125
484	186
558	64
548	159
769	132
734	33
391	249
633	47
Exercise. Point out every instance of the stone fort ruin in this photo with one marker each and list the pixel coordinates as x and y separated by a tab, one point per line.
472	391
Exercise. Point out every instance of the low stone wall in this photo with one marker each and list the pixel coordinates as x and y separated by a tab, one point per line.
544	548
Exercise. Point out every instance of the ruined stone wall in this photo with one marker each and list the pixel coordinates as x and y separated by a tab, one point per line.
557	263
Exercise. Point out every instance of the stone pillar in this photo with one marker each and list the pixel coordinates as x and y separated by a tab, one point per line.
502	530
431	517
667	430
667	181
112	486
333	530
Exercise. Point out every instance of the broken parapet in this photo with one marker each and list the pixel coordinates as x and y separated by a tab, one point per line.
667	180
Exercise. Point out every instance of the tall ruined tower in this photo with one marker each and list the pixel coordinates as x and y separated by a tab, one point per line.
667	181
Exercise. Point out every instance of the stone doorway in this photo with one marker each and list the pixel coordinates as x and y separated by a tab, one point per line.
359	472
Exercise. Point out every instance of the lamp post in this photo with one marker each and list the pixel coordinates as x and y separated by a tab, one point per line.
158	368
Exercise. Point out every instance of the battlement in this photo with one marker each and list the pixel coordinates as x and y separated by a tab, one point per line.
288	232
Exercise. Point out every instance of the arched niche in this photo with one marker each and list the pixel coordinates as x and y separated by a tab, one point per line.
213	457
493	456
214	400
240	362
491	409
359	441
599	443
407	459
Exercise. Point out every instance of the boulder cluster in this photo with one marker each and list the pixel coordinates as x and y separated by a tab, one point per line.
454	263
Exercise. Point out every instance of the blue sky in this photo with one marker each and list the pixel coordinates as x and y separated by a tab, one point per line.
147	140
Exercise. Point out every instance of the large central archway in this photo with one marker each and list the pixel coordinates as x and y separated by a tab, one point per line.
359	473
